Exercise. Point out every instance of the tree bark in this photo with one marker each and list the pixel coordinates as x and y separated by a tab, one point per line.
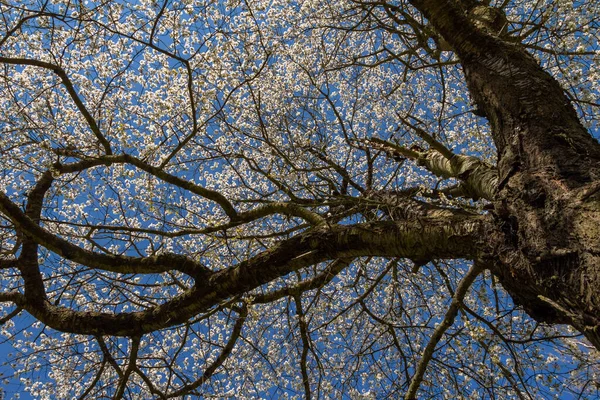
547	209
431	233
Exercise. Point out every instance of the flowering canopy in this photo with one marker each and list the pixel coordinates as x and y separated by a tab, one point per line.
271	199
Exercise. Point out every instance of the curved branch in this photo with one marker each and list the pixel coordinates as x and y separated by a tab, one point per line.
28	222
155	171
149	383
120	264
236	218
197	189
289	209
318	281
95	381
431	238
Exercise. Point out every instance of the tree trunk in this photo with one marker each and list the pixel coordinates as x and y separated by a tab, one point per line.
547	249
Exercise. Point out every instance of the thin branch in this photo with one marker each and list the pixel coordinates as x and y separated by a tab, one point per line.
135	346
318	281
305	345
92	385
429	139
447	322
393	149
10	315
108	357
20	23
197	189
149	383
210	370
196	128
70	89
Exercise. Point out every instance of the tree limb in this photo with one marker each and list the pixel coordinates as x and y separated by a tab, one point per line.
121	264
210	370
70	89
135	346
446	323
479	179
436	239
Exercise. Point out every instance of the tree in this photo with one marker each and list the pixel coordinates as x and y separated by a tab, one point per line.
301	199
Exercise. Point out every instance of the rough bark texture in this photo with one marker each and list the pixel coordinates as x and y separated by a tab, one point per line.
436	234
548	203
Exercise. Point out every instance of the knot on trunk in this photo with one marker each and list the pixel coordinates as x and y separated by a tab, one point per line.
489	19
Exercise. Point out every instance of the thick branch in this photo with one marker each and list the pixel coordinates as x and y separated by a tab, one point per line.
8	263
479	179
12	297
433	239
